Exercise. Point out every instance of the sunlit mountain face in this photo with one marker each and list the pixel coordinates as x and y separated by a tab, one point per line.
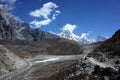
83	39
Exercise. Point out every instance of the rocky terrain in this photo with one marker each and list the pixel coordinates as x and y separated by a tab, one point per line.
109	51
32	54
111	47
9	61
19	42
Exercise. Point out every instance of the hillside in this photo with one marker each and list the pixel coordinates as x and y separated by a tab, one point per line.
110	47
57	47
108	52
9	61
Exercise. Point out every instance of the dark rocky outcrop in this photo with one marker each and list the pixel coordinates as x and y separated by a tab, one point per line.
6	32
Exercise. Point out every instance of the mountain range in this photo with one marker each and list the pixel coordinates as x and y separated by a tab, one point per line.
11	29
83	39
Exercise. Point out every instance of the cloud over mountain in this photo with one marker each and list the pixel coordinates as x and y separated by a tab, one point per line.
69	27
67	32
9	4
45	12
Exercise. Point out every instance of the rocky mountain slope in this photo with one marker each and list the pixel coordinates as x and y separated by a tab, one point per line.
109	51
9	61
10	29
111	47
13	30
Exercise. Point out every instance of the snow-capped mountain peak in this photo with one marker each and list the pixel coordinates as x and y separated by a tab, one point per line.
101	38
71	36
68	35
83	38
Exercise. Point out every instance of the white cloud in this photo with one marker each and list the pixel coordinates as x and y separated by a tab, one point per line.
8	4
9	1
44	12
69	27
40	23
57	12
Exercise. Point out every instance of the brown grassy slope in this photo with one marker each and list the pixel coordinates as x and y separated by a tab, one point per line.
56	47
56	71
111	45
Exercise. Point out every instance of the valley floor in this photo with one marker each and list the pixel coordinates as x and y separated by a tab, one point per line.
55	67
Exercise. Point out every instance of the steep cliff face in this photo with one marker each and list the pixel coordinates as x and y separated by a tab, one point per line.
6	25
6	32
13	30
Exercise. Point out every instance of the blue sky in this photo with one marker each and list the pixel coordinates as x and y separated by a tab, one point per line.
97	17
